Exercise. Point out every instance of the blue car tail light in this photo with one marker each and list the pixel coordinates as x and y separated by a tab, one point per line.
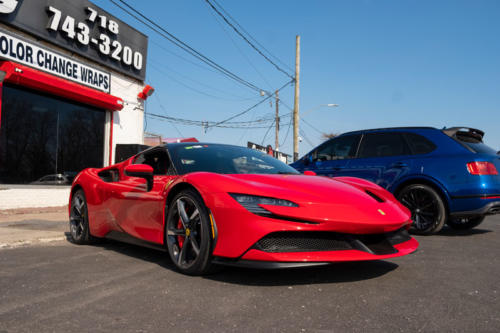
482	168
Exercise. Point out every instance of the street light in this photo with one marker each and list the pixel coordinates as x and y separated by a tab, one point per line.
296	139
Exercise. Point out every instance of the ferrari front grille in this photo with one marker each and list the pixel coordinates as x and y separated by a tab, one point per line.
311	241
302	242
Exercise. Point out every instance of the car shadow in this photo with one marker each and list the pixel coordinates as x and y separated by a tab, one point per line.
450	232
334	273
140	252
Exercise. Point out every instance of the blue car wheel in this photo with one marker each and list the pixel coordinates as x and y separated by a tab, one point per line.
428	211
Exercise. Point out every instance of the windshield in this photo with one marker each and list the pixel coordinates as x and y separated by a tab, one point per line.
225	159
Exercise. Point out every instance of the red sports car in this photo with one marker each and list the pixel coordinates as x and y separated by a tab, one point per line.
219	204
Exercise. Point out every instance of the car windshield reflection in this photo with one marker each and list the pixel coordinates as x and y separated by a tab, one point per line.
225	159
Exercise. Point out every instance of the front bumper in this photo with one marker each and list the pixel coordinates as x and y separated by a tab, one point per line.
239	230
299	249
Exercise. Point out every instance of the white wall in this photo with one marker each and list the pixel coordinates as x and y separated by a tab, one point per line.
128	124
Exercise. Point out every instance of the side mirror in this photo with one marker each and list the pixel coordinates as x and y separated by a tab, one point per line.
141	171
310	173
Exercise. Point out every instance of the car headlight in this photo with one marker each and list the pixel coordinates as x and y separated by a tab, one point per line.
252	202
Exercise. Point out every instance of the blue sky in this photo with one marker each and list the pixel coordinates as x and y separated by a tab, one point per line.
386	63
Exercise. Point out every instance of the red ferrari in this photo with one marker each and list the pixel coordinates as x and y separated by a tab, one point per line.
219	204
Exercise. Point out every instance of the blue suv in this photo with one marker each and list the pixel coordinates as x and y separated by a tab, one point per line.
443	176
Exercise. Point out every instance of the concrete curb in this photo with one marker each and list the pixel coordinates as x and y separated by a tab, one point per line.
36	210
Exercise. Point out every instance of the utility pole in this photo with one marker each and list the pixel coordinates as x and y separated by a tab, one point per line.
296	101
277	136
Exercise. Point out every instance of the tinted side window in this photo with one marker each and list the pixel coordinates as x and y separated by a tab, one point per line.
157	159
337	149
419	144
383	144
140	159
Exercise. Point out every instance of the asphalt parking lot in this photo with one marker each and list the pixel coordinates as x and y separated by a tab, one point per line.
450	285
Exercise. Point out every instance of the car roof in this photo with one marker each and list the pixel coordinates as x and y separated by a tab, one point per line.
390	129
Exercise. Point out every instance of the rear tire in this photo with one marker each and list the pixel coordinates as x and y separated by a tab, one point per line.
79	219
188	234
465	223
428	211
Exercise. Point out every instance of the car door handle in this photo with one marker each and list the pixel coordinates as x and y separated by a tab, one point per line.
399	165
336	168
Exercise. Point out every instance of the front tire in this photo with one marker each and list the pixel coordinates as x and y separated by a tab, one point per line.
188	236
428	211
465	223
79	219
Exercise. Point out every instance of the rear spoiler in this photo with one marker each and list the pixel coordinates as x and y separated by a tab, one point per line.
466	134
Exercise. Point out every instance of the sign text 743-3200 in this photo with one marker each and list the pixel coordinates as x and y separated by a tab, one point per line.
81	27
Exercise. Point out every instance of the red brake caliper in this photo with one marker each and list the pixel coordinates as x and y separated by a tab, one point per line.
180	239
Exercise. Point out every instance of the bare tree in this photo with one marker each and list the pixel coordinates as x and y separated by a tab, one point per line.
328	136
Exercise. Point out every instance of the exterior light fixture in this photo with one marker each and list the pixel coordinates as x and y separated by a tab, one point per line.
146	92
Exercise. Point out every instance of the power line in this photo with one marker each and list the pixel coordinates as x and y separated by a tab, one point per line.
246	40
212	123
286	105
305	138
232	124
287	131
250	36
253	106
158	69
163	48
267	132
200	123
199	66
314	128
177	42
305	122
165	111
239	50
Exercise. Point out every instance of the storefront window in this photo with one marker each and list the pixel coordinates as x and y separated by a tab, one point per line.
45	136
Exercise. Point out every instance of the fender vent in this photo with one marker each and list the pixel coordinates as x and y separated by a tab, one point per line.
374	196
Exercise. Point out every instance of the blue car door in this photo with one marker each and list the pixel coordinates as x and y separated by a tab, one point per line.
383	158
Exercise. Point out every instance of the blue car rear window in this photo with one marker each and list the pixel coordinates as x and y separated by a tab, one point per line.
480	148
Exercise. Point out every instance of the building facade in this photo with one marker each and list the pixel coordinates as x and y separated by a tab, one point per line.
70	75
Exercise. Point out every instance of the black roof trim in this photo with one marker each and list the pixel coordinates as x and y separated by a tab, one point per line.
390	128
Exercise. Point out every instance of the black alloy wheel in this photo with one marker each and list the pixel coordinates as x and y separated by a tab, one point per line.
188	233
465	223
428	211
79	220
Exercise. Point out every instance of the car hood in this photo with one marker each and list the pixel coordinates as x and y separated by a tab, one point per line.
320	199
